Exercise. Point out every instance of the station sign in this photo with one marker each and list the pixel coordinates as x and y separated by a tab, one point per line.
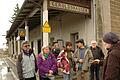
59	5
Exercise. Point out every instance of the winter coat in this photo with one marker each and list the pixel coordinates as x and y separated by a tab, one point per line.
88	57
112	63
44	65
83	74
20	62
100	54
64	63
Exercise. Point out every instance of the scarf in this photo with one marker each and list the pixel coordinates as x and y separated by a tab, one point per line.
45	55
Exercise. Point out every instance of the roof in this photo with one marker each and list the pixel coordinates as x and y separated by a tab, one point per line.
26	9
29	7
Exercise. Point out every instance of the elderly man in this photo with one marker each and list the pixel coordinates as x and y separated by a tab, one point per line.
26	63
98	59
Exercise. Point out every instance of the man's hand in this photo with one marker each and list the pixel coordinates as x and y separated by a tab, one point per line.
60	69
50	72
96	61
81	61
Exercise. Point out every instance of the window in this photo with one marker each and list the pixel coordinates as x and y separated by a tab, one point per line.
74	38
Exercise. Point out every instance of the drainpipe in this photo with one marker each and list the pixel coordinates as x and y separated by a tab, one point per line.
94	18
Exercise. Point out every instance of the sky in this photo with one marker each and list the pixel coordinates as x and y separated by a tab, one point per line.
6	11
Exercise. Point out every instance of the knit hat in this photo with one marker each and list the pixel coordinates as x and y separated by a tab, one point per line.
81	41
110	38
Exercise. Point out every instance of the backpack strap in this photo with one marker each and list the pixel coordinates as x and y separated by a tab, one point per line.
20	57
19	66
35	62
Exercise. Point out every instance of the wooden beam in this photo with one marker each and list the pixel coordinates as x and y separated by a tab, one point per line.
37	5
35	9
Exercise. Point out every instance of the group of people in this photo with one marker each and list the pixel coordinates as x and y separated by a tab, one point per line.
81	64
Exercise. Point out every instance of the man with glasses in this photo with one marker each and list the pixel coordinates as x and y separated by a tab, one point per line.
26	63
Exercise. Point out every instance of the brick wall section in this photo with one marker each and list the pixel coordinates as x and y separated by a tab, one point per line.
115	16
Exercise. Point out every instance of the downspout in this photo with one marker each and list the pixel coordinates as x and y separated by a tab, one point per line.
94	18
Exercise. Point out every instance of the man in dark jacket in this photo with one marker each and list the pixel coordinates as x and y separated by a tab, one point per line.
112	63
26	63
98	60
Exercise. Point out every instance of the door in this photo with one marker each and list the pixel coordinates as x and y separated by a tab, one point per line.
74	38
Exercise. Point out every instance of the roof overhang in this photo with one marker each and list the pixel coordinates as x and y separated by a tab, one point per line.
27	10
31	10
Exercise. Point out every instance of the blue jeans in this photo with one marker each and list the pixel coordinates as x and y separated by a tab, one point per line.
66	76
94	68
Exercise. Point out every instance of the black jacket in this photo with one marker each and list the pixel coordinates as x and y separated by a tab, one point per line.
98	50
99	55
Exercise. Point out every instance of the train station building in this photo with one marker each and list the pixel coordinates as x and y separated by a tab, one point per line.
41	22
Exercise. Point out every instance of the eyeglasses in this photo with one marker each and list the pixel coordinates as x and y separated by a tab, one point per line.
27	46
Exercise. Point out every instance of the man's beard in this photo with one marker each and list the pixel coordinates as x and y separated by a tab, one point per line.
26	51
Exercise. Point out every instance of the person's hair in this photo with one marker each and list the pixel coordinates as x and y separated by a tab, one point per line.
24	42
43	47
42	50
81	41
63	46
68	43
54	43
93	41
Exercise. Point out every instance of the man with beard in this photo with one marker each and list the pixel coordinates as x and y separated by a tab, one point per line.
26	63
